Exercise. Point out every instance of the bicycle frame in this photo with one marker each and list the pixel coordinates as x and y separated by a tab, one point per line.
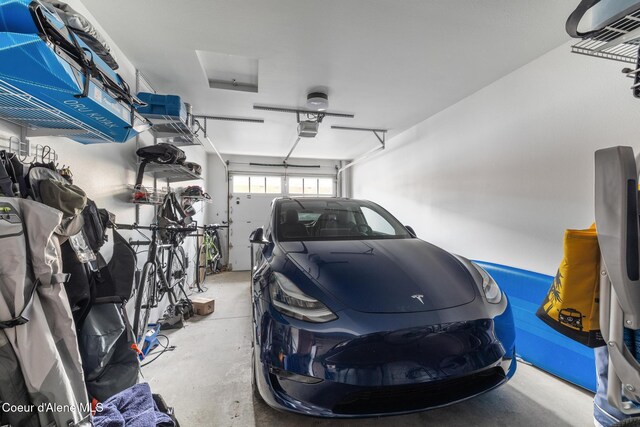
208	261
156	278
157	266
210	243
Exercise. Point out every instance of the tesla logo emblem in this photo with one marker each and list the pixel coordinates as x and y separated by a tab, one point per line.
419	298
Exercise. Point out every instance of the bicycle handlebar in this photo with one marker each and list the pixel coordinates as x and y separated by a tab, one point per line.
215	226
125	226
154	227
139	242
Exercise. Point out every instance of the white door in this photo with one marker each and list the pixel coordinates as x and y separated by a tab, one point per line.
247	211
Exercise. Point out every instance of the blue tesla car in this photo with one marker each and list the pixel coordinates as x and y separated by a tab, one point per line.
354	316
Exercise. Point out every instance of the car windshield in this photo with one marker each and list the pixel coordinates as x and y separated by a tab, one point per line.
330	219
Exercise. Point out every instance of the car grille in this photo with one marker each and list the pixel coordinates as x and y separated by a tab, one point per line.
403	398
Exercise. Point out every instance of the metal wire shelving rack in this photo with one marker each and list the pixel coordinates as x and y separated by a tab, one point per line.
173	130
40	118
618	41
172	172
147	195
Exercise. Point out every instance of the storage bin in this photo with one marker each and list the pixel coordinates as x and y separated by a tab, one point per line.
162	105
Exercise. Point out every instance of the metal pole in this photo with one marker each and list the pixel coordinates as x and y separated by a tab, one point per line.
292	148
361	158
228	215
226	168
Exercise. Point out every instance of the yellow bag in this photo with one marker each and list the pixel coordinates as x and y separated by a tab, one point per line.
571	305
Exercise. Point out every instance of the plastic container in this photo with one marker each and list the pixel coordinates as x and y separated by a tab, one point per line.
162	105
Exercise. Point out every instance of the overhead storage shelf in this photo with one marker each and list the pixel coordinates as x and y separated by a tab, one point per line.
147	196
171	172
173	130
618	41
40	118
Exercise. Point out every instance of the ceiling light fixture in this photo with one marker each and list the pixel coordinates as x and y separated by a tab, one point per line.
317	101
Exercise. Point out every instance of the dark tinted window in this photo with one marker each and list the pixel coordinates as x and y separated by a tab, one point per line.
331	219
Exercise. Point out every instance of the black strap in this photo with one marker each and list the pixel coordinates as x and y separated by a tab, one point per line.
21	318
177	207
574	19
60	278
140	176
576	16
18	176
86	65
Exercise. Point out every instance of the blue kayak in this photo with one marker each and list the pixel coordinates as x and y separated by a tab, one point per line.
50	78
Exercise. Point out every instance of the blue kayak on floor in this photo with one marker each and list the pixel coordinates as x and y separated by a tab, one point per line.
50	78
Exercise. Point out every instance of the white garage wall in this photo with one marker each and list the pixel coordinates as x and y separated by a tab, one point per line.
499	175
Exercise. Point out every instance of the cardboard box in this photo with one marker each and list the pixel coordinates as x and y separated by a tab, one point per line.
203	306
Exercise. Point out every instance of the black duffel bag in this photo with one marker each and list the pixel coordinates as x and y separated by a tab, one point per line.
161	153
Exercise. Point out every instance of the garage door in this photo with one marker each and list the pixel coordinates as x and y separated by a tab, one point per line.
251	197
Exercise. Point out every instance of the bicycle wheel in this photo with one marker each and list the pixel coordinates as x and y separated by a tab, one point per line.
178	267
201	266
144	301
215	255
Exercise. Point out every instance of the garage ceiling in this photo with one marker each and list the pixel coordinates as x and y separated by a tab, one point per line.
391	63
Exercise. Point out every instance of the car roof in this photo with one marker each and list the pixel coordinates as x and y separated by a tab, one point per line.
286	198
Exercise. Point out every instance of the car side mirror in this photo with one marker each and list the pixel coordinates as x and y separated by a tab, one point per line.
257	236
411	230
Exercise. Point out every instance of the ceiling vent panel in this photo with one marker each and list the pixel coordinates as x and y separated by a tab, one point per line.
230	72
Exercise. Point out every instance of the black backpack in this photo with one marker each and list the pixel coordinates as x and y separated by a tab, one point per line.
78	287
12	175
105	338
96	222
171	214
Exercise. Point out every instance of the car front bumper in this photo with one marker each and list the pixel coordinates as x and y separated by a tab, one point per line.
329	371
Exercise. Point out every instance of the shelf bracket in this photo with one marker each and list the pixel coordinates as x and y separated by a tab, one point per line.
382	138
381	134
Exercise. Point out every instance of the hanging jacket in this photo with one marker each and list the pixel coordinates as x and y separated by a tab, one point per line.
13	390
35	315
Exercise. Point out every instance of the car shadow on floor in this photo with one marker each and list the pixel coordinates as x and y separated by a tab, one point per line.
505	406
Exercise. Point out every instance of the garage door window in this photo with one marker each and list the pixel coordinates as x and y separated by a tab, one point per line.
311	186
257	184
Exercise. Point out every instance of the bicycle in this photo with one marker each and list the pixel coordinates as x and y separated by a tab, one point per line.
209	254
159	277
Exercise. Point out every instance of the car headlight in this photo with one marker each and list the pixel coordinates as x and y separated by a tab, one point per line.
491	290
288	299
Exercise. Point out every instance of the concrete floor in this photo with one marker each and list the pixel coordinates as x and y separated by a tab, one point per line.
207	379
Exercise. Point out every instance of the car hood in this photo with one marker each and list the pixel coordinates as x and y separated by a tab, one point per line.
385	276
